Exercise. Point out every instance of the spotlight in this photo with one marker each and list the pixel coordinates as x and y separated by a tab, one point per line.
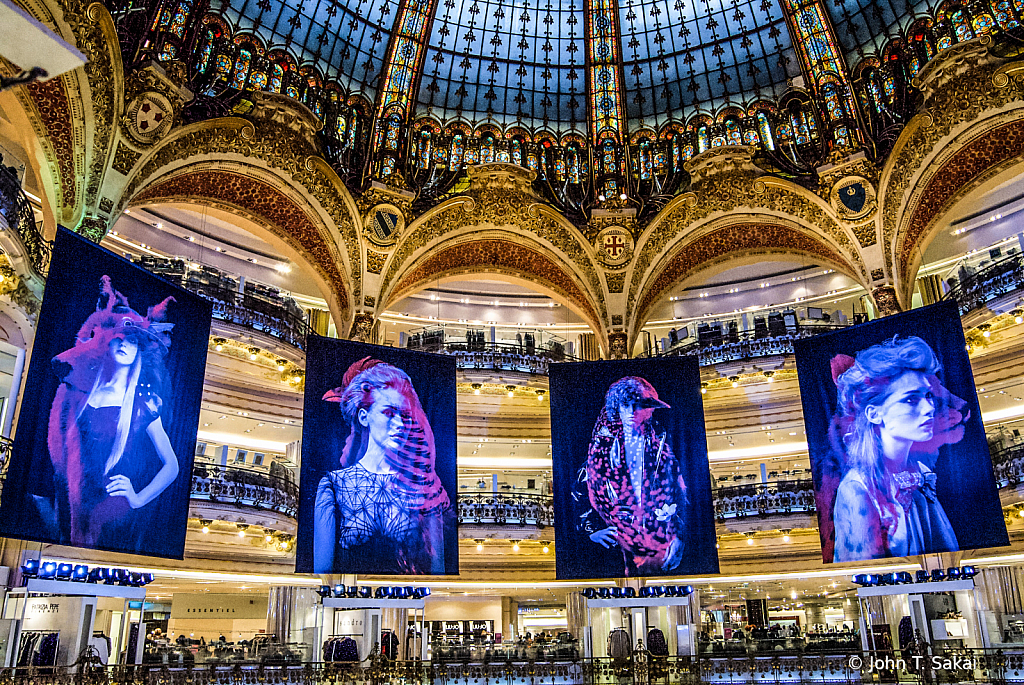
365	592
281	364
479	545
903	578
629	592
604	593
511	390
48	570
616	592
324	591
515	545
339	590
645	591
953	573
921	576
421	592
968	572
476	388
352	591
64	571
242	527
703	388
546	549
540	395
735	380
136	579
97	575
888	579
80	574
205	523
30	569
218	344
687	590
938	574
1018	318
864	579
148	578
253	353
768	375
589	592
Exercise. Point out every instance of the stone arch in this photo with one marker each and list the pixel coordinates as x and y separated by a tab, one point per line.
504	253
500	201
729	241
258	197
284	161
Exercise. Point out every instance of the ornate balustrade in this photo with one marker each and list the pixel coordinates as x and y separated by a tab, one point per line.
17	210
245	487
1008	466
764	499
746	345
506	509
852	667
995	280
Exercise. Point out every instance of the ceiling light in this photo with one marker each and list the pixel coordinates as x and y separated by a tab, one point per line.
540	395
476	388
218	344
253	353
703	388
511	390
283	268
281	364
515	545
735	380
241	529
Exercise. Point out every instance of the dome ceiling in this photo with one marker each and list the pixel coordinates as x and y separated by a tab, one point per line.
524	60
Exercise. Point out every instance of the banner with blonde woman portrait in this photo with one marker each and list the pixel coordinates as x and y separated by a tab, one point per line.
107	428
378	481
898	452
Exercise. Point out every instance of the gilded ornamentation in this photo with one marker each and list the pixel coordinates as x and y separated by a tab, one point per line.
369	301
853	198
149	117
614	246
378	193
957	101
362	328
731	191
885	300
93	228
383	225
125	158
877	275
106	204
280	150
504	256
616	281
51	101
500	198
617	345
867	234
259	198
375	261
749	238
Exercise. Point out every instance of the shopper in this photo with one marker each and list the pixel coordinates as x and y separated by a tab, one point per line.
385	508
886	505
634	480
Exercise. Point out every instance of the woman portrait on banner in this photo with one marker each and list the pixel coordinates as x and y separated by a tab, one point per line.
893	415
110	452
385	510
634	482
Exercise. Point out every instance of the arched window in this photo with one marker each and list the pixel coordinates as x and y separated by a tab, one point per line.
960	25
1005	14
242	64
340	126
764	126
608	160
803	134
572	163
832	103
660	158
457	151
276	77
645	159
702	139
517	152
391	131
487	149
732	132
424	148
179	18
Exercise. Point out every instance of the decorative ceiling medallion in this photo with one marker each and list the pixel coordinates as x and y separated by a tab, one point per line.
614	246
853	197
384	223
149	117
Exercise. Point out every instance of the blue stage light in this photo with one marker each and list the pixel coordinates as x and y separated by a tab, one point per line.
604	593
686	589
953	573
80	574
921	576
324	591
968	572
339	590
903	577
352	591
589	592
97	575
48	570
938	574
30	569
365	592
148	578
864	579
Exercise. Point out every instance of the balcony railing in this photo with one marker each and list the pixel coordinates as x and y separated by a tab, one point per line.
245	487
734	346
994	281
506	509
1008	466
499	356
15	207
764	499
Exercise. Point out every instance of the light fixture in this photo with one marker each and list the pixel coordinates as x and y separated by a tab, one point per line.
241	529
479	545
546	548
511	390
1018	317
785	534
768	375
253	353
703	388
540	395
735	380
750	538
281	364
218	344
984	328
205	523
476	388
269	537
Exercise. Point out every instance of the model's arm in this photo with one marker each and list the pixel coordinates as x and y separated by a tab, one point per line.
324	535
859	533
121	486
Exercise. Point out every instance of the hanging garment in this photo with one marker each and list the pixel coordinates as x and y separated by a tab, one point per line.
619	646
656	643
389	644
46	654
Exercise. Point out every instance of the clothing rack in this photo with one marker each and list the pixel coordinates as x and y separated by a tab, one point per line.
38	648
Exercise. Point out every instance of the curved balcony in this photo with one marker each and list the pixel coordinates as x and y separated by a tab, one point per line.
17	210
245	487
736	346
764	499
259	308
499	356
994	281
506	509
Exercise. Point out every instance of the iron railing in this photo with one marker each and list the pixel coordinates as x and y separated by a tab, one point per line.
851	667
245	487
995	280
764	499
506	509
500	356
734	346
17	210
